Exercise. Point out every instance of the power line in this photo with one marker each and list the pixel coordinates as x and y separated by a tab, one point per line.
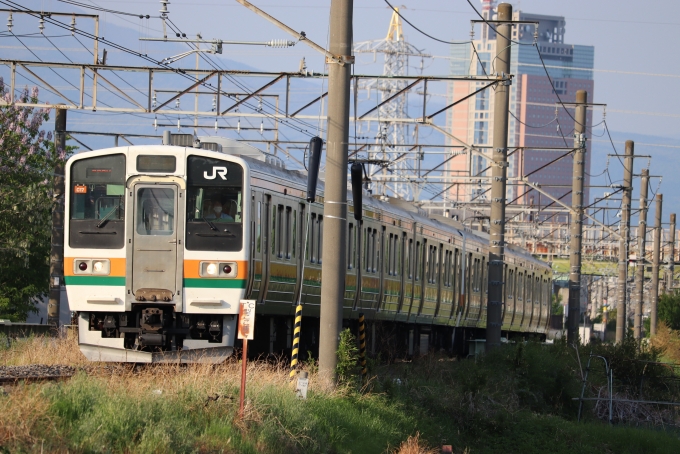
494	29
126	50
105	10
422	32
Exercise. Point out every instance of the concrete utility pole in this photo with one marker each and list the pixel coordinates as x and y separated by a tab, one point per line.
334	263
671	257
624	230
499	172
577	217
640	262
654	296
57	250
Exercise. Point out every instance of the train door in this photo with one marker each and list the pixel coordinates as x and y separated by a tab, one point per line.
154	240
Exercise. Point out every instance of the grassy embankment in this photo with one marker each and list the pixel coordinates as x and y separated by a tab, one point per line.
515	400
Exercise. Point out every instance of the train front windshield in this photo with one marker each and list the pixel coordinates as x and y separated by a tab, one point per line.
214	205
97	209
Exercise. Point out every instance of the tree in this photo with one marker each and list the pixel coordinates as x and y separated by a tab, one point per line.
668	309
27	162
557	308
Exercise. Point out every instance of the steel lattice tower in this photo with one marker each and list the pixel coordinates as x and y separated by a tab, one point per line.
391	135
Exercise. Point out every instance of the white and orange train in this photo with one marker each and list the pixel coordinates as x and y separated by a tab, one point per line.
162	242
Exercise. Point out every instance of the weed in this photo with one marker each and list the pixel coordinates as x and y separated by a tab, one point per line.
348	357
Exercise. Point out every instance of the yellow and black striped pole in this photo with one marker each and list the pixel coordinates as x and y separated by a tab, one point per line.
362	347
296	342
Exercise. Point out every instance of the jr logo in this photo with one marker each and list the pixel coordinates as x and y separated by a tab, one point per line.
221	171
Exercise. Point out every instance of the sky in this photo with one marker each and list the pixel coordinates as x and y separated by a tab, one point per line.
635	69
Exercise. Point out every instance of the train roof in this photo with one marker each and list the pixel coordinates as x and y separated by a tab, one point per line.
272	167
393	206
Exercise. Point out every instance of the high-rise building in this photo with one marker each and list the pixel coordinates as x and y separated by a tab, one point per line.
537	120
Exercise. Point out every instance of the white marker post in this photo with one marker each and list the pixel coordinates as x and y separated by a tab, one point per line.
246	330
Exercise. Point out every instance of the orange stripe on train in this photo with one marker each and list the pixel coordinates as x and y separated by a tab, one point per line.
117	265
191	268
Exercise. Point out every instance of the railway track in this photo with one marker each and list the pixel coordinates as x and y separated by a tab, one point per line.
35	373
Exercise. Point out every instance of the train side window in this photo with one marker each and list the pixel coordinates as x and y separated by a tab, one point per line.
400	255
485	279
449	268
407	258
350	244
520	286
273	239
319	250
312	236
294	231
511	283
366	251
258	227
528	288
395	253
433	250
289	224
380	255
416	261
388	255
456	267
514	293
371	251
473	275
279	232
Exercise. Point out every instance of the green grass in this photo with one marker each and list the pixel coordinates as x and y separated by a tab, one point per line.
517	399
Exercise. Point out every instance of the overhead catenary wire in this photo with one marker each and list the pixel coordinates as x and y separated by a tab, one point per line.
106	10
126	50
422	32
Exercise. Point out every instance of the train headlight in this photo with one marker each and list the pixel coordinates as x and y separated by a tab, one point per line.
101	266
218	269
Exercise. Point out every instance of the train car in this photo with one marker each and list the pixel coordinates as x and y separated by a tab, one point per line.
162	242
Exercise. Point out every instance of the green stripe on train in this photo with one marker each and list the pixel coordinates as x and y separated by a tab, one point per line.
214	283
95	280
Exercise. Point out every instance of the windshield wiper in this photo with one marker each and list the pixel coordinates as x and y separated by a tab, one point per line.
108	215
212	226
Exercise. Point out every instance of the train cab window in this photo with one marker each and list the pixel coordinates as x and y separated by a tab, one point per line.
97	202
155	211
214	205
